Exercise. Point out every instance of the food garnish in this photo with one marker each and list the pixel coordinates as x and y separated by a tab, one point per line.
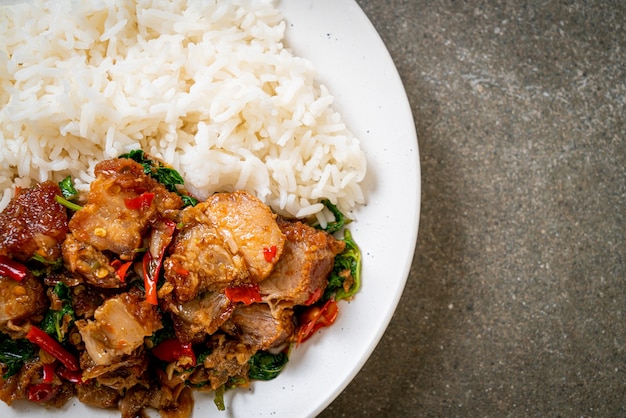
37	336
14	353
60	317
11	268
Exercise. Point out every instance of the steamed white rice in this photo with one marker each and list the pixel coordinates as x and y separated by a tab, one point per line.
206	86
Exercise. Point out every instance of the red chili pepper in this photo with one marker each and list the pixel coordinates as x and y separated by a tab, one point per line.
246	293
150	275
315	296
173	350
48	372
71	376
122	270
315	318
269	253
180	269
11	268
143	201
53	347
42	392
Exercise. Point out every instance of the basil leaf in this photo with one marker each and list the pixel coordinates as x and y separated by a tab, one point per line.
340	219
57	322
347	265
67	188
266	366
14	353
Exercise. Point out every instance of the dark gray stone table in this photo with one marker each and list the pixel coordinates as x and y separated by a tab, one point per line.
515	304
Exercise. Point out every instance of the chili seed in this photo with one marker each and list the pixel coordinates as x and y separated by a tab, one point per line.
100	232
19	291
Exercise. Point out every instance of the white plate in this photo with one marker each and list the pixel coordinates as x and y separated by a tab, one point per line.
355	65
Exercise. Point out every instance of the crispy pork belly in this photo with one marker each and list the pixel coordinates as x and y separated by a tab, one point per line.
94	394
119	327
200	260
250	228
194	319
228	359
258	326
20	300
173	403
121	204
33	223
301	275
90	263
64	276
134	401
121	376
229	239
170	402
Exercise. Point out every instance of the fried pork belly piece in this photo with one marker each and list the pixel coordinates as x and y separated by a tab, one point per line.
228	359
175	403
94	394
121	375
33	223
301	275
256	325
121	204
249	227
230	239
196	318
90	263
119	327
170	402
200	260
20	300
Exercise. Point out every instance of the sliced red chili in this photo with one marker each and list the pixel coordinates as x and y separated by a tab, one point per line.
13	269
176	265
315	296
269	253
150	274
246	293
53	347
180	270
329	313
143	201
315	318
42	392
173	350
71	375
48	372
122	269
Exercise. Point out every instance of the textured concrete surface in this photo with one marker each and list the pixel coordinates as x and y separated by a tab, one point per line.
515	304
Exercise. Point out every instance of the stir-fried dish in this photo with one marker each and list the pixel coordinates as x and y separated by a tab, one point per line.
134	294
